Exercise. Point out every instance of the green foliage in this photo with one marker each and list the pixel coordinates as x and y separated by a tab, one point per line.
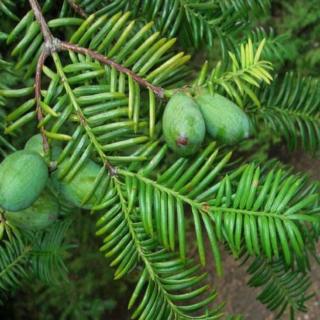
102	97
13	260
87	293
7	8
48	251
267	225
33	254
291	108
282	288
7	79
274	46
166	279
120	97
300	21
193	22
246	70
170	289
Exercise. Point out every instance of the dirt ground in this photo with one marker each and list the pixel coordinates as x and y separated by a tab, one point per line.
232	288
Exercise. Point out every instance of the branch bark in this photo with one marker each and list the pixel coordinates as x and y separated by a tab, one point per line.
104	60
77	8
43	56
52	44
47	35
48	41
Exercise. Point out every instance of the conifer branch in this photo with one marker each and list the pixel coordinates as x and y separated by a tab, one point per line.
42	58
48	37
52	44
46	51
104	60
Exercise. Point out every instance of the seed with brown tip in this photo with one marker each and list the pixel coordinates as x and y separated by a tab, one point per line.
183	141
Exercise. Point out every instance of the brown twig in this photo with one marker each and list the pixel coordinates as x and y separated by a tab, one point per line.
42	58
48	37
104	60
52	44
112	170
77	8
48	41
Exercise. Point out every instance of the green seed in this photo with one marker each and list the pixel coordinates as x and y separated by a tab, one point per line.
183	125
35	144
43	212
76	190
225	121
23	176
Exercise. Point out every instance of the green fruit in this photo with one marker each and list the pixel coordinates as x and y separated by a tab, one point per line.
76	190
43	212
35	144
183	125
23	176
225	121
